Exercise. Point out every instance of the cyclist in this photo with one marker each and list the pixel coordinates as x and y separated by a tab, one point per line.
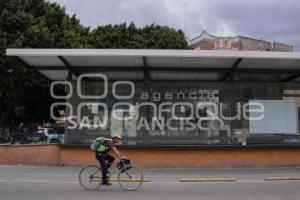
105	159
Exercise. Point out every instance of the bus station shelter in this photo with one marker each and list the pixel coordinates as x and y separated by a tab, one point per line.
229	79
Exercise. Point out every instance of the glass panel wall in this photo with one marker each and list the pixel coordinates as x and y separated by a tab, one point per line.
186	113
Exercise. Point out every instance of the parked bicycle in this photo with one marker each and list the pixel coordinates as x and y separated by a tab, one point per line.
130	177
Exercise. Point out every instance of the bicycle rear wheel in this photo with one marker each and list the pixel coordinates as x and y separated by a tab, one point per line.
90	177
131	178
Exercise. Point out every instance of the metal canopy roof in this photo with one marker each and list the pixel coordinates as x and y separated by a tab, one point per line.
181	65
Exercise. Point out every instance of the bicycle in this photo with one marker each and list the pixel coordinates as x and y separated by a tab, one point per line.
130	177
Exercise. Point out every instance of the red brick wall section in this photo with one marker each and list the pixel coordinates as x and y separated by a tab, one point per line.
30	155
155	157
204	45
236	45
215	157
76	156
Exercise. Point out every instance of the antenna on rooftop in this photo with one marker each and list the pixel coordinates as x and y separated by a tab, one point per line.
185	26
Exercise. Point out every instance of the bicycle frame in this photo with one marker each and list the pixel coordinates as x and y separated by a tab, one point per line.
115	170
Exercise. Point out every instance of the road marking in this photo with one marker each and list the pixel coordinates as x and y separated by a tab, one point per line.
282	178
130	180
208	179
36	181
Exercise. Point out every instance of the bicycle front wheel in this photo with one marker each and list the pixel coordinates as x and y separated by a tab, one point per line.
90	177
130	177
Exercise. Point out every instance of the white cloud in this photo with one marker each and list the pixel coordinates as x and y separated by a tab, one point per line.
269	19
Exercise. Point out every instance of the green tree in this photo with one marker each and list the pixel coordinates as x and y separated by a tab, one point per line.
148	37
163	37
31	24
41	24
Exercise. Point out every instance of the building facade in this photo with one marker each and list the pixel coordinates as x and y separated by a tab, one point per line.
206	41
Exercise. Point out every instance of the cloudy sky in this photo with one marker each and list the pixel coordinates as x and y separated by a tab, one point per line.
273	20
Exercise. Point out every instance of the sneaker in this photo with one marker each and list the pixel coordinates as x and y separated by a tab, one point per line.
107	184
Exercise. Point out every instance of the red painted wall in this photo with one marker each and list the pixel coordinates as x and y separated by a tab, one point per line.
154	157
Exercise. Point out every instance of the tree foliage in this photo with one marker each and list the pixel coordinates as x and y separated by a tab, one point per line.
149	37
31	24
41	24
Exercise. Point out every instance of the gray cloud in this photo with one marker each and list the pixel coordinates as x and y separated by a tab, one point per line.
273	20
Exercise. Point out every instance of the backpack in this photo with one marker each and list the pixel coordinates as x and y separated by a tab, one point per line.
99	144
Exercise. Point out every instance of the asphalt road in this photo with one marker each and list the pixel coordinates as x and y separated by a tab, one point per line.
60	183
